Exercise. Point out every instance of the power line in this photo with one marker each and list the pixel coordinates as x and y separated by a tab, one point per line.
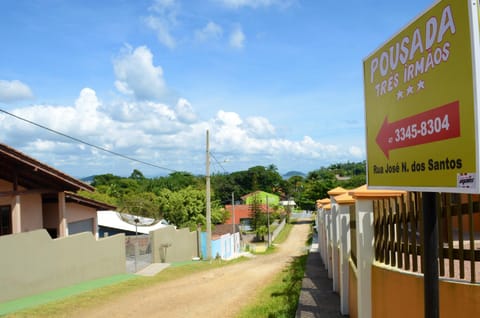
218	163
86	143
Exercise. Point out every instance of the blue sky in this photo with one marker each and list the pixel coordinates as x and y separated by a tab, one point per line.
274	81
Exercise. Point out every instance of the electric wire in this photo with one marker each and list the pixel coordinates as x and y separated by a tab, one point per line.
218	163
85	142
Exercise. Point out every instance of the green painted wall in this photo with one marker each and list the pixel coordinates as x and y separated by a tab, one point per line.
261	196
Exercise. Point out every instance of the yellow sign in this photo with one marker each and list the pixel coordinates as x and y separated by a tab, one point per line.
421	103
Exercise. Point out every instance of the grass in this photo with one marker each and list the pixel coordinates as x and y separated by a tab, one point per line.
65	306
280	298
61	293
281	237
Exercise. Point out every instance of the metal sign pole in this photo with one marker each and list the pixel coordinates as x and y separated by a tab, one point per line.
430	254
268	223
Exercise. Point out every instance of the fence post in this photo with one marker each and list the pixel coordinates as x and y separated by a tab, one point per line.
320	231
344	214
324	205
335	253
335	237
344	202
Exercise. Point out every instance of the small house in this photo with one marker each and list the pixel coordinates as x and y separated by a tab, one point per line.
35	196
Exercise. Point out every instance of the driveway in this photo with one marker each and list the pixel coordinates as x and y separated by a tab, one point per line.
221	292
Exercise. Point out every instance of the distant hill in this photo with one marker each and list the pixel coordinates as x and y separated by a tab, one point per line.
290	174
88	179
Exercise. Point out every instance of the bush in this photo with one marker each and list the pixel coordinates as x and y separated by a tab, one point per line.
261	232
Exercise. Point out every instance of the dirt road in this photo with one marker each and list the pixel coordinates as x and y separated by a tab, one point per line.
216	293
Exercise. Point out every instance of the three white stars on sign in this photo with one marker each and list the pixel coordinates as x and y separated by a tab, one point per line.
410	90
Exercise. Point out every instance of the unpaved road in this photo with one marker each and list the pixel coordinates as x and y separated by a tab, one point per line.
217	293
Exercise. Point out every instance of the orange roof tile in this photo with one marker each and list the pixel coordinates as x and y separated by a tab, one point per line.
344	199
364	192
324	201
337	191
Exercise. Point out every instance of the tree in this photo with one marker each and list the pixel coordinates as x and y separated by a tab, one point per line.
242	182
264	179
257	215
187	208
183	207
223	185
261	232
137	175
219	214
99	196
180	196
142	204
179	180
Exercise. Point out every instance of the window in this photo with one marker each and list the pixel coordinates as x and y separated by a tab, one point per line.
5	220
80	226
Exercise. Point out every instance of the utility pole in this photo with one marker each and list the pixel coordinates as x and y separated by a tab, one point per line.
268	223
233	213
136	220
209	212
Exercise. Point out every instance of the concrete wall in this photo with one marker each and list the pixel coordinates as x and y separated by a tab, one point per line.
400	294
226	247
32	262
172	245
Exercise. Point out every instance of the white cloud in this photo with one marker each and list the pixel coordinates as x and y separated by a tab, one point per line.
81	119
260	127
136	75
255	138
163	20
162	28
237	38
255	3
185	111
87	102
228	119
356	152
171	136
14	90
157	133
44	145
165	7
210	31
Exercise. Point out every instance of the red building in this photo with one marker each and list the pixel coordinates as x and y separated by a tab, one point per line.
242	211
